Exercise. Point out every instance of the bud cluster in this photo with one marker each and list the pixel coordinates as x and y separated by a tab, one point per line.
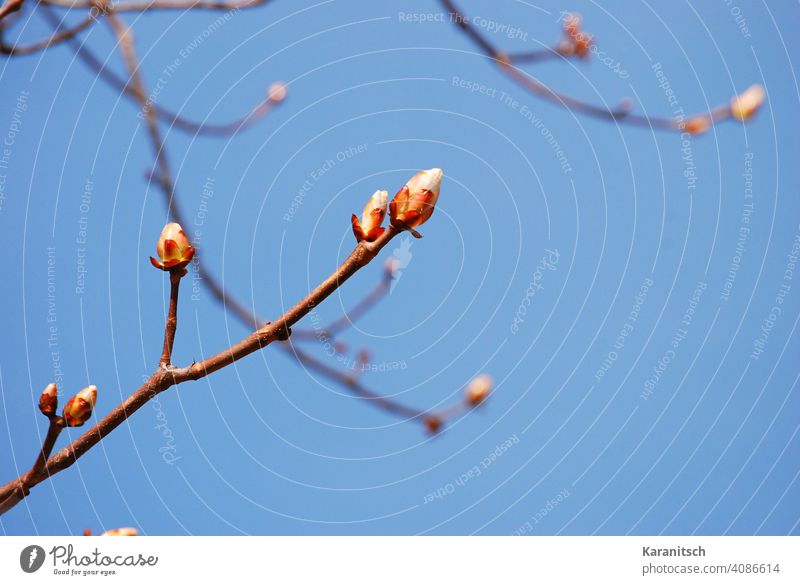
412	206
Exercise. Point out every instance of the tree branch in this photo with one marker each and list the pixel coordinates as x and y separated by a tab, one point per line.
162	379
506	62
172	319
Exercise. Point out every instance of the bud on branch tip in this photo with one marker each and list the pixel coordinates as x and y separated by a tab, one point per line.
413	205
79	408
48	401
369	228
478	389
174	249
747	103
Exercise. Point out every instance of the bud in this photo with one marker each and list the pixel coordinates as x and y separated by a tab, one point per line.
413	205
48	401
173	248
369	228
697	125
478	389
121	532
579	42
79	408
744	105
276	92
433	424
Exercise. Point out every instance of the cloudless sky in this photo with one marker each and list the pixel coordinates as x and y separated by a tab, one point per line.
551	229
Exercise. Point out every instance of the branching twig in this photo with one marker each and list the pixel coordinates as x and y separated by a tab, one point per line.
507	63
172	319
162	379
20	487
60	36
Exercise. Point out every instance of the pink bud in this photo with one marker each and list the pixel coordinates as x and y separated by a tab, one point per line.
478	389
173	248
369	228
48	401
79	408
747	103
413	205
276	92
121	532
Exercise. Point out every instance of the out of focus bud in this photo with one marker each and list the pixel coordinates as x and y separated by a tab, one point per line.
276	92
79	408
433	424
697	125
369	228
413	205
478	389
121	532
578	42
747	103
48	401
173	248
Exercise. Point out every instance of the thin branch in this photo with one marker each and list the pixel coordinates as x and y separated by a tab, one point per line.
10	7
21	487
162	379
60	36
506	63
163	5
172	319
216	288
348	318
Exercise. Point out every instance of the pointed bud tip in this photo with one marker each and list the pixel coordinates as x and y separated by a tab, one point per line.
48	401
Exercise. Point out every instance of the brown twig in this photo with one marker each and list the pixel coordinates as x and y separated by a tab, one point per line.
162	5
228	301
162	379
60	36
351	316
10	7
172	318
506	62
20	487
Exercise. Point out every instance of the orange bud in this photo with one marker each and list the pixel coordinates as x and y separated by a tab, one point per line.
747	103
697	125
48	401
369	228
121	532
478	389
173	248
276	92
433	424
79	408
413	205
579	42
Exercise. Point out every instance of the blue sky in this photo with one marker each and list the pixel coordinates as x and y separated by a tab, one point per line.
552	229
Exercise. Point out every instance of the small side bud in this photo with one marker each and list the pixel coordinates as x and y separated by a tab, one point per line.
697	125
433	424
276	92
173	248
48	401
578	43
79	408
478	390
746	104
121	532
369	228
413	205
